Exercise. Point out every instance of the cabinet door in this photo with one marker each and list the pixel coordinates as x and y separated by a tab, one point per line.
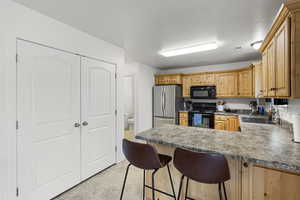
271	70
282	61
183	119
220	125
186	85
246	83
227	84
232	123
258	78
265	77
259	183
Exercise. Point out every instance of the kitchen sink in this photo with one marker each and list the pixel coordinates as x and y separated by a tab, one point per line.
257	120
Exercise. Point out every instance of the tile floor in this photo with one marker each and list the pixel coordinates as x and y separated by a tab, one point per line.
107	185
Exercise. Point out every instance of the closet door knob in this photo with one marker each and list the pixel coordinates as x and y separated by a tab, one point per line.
76	125
85	123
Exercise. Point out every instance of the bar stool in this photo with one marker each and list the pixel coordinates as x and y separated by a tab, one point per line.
202	168
145	156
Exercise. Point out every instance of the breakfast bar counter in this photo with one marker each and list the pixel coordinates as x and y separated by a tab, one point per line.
263	159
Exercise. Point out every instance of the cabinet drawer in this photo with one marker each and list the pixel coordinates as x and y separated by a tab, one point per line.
221	117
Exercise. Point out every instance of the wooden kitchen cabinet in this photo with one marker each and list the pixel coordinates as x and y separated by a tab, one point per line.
261	183
258	78
282	63
280	53
205	79
245	82
183	118
227	84
186	85
227	122
276	66
168	79
265	73
271	69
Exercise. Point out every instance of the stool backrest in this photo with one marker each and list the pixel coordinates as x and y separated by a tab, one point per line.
202	167
143	156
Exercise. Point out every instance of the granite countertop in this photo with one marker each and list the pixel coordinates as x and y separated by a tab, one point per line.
262	144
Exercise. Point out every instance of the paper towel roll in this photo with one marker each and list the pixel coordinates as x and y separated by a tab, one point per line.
296	126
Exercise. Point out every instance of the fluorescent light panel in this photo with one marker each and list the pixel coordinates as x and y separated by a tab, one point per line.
189	49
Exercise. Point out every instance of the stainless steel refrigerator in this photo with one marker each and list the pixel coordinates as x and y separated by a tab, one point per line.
167	102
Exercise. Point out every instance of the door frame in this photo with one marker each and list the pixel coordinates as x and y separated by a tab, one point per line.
134	81
15	159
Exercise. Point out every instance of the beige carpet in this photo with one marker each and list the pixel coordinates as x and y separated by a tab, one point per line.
108	185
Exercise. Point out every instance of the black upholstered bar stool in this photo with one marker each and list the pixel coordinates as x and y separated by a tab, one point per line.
145	156
202	168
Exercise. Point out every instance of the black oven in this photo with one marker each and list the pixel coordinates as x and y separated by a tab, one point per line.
203	92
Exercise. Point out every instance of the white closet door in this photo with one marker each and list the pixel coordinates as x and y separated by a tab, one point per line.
98	111
48	107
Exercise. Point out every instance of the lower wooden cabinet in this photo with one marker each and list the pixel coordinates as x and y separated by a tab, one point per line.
183	118
261	183
228	123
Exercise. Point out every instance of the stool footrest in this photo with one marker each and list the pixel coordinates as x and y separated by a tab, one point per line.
165	193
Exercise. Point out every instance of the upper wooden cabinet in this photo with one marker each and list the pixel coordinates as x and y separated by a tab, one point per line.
206	79
168	79
265	73
186	85
245	82
257	78
280	53
227	84
230	83
282	56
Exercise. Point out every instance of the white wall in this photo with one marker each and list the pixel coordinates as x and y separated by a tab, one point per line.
227	66
18	21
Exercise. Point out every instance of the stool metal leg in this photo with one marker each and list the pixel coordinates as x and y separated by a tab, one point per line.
153	186
124	183
172	185
224	189
220	191
186	189
144	183
180	187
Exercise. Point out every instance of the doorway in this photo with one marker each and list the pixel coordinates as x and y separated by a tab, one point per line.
129	106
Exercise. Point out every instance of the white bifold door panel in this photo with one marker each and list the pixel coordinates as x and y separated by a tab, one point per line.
66	114
98	116
48	107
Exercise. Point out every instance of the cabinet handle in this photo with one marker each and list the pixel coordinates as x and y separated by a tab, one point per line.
245	165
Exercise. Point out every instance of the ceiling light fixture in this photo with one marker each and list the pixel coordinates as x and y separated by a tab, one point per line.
189	49
256	45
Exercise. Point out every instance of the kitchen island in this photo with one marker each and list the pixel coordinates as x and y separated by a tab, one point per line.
264	162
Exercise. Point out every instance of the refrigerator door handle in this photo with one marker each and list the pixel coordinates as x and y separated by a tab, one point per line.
162	100
165	101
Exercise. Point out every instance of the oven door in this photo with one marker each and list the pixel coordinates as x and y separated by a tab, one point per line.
203	92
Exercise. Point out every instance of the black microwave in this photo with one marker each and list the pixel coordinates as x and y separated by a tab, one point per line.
203	92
